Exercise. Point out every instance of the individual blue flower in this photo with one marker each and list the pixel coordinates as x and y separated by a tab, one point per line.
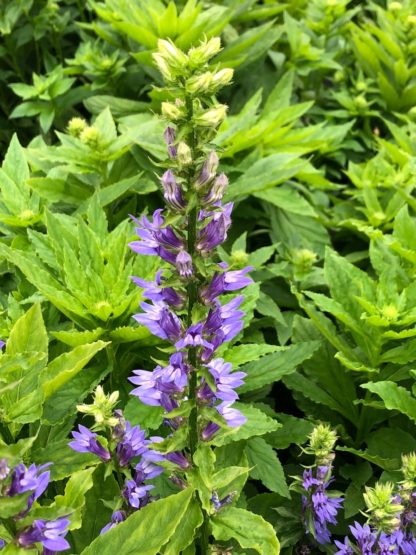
226	380
225	281
51	534
154	291
160	321
29	479
132	444
183	264
215	232
155	239
344	548
116	518
216	190
137	494
193	337
364	537
86	442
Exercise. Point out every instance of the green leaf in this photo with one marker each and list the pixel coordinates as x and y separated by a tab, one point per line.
74	497
257	424
266	466
274	366
395	397
145	531
288	199
66	366
28	333
242	354
185	532
250	530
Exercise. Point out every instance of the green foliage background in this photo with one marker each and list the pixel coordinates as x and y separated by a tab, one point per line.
319	146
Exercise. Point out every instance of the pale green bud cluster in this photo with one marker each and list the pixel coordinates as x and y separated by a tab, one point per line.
321	444
102	408
190	73
382	507
76	126
303	260
183	154
90	136
408	485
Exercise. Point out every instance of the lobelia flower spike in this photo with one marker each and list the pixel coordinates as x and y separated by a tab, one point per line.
319	507
124	448
188	312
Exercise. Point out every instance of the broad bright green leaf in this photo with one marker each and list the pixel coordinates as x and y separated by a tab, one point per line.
250	530
67	365
287	199
274	366
242	354
266	466
28	333
74	497
145	531
186	530
395	397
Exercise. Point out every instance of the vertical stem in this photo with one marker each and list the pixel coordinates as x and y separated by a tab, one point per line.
202	545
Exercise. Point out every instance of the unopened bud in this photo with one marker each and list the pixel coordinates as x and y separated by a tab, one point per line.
411	19
199	83
170	136
172	111
184	154
222	77
208	171
239	258
321	443
212	117
360	102
207	49
217	189
90	136
76	126
102	407
163	67
171	191
409	466
184	264
174	57
4	469
395	6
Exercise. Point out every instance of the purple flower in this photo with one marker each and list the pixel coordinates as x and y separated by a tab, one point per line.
160	321
193	338
325	507
178	458
233	417
364	537
137	494
225	380
116	518
51	534
155	386
219	503
171	191
170	136
29	479
344	548
208	170
86	442
156	239
225	281
217	190
215	232
223	324
154	291
2	543
2	344
146	469
183	264
132	445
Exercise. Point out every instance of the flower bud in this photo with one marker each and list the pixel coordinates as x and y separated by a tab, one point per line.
172	111
184	264
76	126
102	407
395	6
207	49
208	171
411	19
4	469
170	136
174	57
382	506
212	117
184	154
90	136
172	191
239	258
217	189
199	83
222	77
303	260
163	67
321	443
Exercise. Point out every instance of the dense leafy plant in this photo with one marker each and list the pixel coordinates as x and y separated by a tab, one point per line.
316	453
